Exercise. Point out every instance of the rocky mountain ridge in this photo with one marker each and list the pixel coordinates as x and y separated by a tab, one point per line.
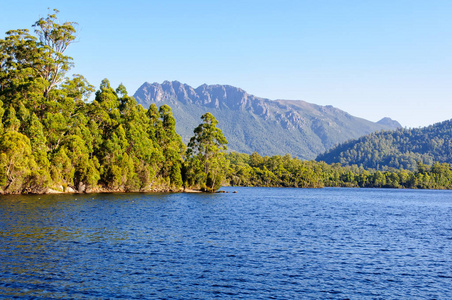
302	129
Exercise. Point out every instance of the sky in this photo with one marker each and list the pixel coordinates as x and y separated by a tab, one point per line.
373	59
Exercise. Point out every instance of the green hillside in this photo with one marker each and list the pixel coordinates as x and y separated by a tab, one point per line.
401	148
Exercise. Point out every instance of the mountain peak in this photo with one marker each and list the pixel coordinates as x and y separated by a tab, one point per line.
386	121
252	123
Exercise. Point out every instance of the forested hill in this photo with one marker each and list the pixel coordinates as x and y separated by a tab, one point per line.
254	124
401	148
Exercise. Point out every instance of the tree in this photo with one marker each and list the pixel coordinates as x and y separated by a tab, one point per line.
54	38
16	160
85	169
50	133
31	67
206	163
34	131
11	122
172	146
61	169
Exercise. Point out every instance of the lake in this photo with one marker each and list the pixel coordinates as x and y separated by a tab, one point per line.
259	243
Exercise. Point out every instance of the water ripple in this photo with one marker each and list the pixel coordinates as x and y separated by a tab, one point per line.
260	243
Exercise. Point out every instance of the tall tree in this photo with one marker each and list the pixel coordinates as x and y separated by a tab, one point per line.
206	164
172	146
54	38
31	67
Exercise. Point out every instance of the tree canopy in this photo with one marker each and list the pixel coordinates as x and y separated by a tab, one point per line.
53	136
401	148
206	155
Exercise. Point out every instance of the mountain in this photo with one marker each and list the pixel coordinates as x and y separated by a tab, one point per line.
401	148
389	123
251	123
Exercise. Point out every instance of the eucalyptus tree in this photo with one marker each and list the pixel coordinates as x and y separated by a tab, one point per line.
141	146
206	164
16	161
172	146
32	66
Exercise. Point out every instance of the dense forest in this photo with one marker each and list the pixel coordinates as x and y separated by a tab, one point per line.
401	148
285	171
53	139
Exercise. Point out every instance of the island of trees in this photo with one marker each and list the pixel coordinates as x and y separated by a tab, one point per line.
53	138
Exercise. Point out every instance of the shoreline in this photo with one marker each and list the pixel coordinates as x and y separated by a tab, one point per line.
98	190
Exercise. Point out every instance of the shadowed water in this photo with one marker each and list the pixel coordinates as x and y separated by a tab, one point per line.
264	243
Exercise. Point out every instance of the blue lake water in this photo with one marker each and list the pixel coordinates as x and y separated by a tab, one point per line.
260	243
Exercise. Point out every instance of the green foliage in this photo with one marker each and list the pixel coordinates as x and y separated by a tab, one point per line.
206	164
51	136
54	38
61	169
33	67
284	171
400	149
274	171
11	122
172	147
16	161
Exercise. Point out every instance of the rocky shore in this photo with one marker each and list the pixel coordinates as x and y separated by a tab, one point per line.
82	189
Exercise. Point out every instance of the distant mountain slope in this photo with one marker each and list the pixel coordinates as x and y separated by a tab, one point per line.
401	148
257	124
389	122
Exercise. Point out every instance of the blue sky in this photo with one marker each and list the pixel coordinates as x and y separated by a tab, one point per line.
370	58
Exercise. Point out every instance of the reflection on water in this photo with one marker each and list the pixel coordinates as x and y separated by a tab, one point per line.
258	243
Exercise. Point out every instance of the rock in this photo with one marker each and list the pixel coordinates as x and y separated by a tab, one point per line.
81	187
51	191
